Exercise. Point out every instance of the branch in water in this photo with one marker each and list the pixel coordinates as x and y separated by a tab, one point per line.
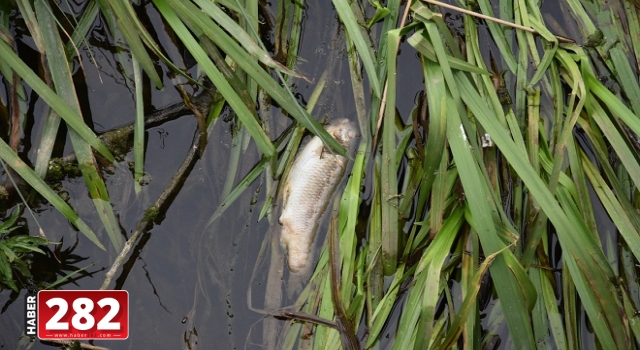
157	210
119	141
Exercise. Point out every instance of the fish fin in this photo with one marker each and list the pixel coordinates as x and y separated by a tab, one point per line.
284	238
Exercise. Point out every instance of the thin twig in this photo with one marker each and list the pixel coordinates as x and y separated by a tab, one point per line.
174	111
493	19
202	123
16	115
159	207
302	317
345	328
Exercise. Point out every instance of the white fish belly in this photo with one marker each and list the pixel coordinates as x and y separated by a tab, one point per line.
312	180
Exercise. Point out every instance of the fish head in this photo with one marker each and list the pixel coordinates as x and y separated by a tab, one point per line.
344	131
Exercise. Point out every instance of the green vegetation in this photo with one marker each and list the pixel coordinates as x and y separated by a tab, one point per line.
513	153
13	248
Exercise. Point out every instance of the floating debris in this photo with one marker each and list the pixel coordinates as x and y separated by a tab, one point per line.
313	178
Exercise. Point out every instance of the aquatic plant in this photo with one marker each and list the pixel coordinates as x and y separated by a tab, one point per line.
507	198
13	247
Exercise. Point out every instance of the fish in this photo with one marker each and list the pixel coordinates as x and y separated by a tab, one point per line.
312	180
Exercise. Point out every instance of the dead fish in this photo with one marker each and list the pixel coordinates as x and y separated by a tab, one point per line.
314	176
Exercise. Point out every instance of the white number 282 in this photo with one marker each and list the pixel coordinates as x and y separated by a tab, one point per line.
82	319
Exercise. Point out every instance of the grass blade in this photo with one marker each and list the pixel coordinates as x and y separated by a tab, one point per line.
73	120
45	191
247	117
355	32
201	22
62	80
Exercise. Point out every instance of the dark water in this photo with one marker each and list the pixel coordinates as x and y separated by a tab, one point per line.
188	281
